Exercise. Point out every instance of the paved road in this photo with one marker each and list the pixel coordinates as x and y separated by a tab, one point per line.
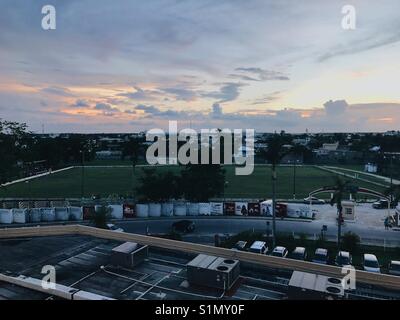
204	226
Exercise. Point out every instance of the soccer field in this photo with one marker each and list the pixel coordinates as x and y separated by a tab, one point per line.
105	181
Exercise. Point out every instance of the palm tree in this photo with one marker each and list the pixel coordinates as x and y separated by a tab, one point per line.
341	187
273	155
394	193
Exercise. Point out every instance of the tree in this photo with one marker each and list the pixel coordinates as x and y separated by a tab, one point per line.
202	182
155	186
101	217
341	188
273	155
13	148
350	242
394	193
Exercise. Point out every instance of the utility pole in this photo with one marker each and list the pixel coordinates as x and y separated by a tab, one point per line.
294	179
273	206
83	173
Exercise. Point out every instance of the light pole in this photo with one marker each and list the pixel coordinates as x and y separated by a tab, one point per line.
83	172
226	184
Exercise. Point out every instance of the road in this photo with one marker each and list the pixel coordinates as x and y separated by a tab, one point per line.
232	225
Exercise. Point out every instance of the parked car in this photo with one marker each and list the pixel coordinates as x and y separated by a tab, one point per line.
321	256
183	226
394	268
240	245
370	263
383	204
299	254
313	200
259	247
279	252
113	227
343	258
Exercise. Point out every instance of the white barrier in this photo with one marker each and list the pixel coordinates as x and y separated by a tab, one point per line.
142	210
266	208
20	215
48	214
180	209
193	209
75	213
62	214
117	211
35	215
6	216
167	209
154	210
241	208
216	208
204	209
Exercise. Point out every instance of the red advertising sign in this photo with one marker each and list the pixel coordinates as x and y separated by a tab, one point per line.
254	209
88	212
129	210
229	208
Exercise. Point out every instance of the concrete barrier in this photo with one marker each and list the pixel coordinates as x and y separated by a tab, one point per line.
381	280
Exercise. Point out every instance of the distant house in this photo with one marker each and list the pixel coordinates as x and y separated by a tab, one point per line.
108	155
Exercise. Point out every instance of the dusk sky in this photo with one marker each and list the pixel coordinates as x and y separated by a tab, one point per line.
127	66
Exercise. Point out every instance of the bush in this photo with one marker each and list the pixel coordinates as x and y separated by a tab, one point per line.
101	217
350	242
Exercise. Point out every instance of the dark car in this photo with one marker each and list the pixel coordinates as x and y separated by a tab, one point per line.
240	245
299	254
183	226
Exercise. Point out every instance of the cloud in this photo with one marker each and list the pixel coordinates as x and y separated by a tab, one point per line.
181	93
258	74
228	92
267	98
335	108
140	94
58	91
216	110
80	103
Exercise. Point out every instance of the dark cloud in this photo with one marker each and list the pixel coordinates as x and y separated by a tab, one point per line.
80	103
258	74
58	91
228	92
335	108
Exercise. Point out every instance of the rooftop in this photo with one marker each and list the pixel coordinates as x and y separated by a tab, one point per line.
83	262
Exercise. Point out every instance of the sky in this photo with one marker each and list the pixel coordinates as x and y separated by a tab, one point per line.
128	66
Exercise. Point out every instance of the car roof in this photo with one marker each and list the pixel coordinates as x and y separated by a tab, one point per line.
344	254
299	250
279	248
368	256
395	262
257	245
321	251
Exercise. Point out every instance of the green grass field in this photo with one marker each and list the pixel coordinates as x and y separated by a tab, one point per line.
106	181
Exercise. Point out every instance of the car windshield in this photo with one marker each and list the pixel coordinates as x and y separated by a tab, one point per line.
395	267
277	254
320	257
297	255
371	264
343	260
113	227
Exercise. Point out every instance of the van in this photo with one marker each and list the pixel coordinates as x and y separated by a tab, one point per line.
259	247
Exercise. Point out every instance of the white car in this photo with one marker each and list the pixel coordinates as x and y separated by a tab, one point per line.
371	264
113	227
279	252
259	247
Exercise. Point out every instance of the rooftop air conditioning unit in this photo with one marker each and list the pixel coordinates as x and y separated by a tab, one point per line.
213	272
309	286
129	254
